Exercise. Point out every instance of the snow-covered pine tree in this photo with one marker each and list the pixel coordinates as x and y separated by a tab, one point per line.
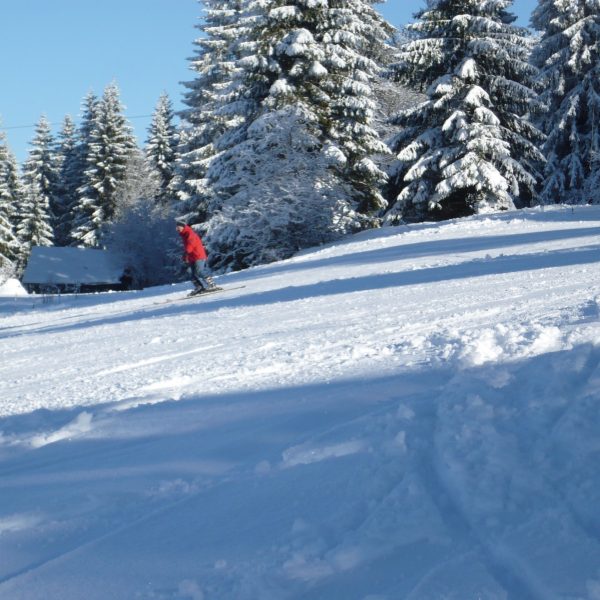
391	98
203	121
568	56
307	66
140	181
287	202
110	145
89	113
354	41
545	18
152	251
35	218
9	244
35	223
469	147
12	185
89	116
161	146
68	180
40	171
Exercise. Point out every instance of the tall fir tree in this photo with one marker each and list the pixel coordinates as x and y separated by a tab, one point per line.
311	63
469	148
9	243
204	121
109	148
35	220
568	56
161	146
88	117
355	48
322	57
68	163
40	170
12	185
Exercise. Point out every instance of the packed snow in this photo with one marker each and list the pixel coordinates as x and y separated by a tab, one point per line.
411	413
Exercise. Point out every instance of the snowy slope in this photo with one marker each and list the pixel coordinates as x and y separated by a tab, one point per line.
410	414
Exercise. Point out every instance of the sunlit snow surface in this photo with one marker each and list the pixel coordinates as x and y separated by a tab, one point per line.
411	414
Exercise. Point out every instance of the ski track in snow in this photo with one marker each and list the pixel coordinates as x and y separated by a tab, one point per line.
410	413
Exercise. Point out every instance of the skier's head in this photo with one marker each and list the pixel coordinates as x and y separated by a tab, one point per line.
179	225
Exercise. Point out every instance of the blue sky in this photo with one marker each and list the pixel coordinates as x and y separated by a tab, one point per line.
55	51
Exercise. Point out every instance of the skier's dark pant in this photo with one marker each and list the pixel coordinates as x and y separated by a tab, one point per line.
200	276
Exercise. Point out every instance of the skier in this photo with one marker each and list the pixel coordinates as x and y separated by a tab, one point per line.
195	257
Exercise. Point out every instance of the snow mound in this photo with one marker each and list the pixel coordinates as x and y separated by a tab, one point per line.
12	288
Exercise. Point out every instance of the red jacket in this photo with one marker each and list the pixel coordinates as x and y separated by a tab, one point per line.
192	245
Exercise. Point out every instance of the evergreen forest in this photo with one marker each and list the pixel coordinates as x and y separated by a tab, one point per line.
308	120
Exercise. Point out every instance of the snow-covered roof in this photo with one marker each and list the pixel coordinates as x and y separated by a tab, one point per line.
54	265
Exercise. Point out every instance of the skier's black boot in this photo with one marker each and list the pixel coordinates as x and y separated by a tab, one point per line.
197	290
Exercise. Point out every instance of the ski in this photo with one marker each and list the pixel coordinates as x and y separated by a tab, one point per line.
215	291
201	295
